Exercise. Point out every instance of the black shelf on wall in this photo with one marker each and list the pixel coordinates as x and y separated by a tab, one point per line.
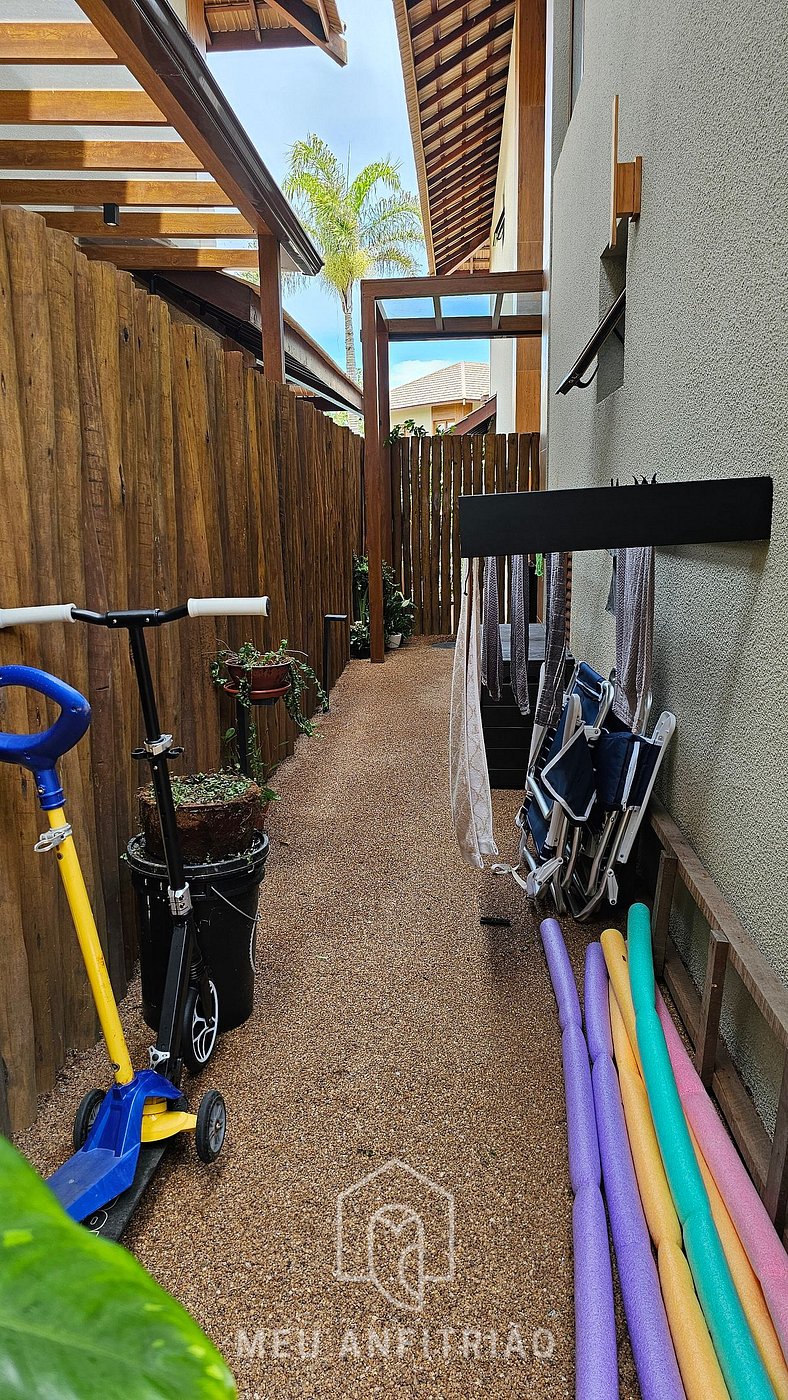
617	517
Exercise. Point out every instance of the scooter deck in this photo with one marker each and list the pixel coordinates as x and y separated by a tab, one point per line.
111	1220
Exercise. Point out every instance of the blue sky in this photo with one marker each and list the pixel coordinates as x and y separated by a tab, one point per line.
284	94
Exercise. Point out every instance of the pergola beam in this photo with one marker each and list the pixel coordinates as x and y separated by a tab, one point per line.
111	107
162	255
97	155
93	193
34	42
376	337
463	327
162	224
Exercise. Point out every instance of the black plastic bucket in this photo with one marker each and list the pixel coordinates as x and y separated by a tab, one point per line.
224	897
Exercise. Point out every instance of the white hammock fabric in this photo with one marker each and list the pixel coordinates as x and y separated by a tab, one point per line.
471	803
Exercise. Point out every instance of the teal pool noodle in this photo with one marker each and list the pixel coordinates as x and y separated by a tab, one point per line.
739	1358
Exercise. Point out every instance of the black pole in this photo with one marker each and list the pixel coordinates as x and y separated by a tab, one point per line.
327	620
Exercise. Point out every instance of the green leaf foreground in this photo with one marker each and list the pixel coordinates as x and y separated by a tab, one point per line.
80	1319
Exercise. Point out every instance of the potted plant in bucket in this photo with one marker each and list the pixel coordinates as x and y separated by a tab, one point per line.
251	675
219	817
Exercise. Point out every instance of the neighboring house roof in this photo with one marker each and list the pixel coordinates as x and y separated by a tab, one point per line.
268	24
465	382
455	62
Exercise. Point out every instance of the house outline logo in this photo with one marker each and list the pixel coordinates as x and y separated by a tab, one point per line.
394	1219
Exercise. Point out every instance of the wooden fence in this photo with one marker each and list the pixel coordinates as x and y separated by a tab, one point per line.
428	475
139	464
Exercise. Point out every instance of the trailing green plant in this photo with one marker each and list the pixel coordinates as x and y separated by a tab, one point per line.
248	656
397	609
261	770
80	1319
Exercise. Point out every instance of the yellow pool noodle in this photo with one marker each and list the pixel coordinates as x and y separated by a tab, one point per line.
744	1278
697	1359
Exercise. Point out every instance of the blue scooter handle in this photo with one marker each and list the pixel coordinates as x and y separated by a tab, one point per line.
40	752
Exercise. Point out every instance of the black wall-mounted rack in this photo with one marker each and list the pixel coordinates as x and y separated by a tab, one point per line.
617	517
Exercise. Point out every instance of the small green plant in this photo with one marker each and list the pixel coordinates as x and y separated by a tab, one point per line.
248	657
262	771
410	428
397	609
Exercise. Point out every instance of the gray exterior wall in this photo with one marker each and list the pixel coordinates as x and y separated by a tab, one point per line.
704	99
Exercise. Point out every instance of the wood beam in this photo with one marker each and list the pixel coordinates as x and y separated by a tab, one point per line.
463	327
483	167
483	284
373	477
455	257
257	31
425	26
384	428
458	199
443	230
530	62
308	22
159	225
97	155
469	102
436	302
463	128
469	51
461	33
112	107
32	42
497	309
183	193
270	267
485	71
161	255
196	24
244	40
477	145
155	48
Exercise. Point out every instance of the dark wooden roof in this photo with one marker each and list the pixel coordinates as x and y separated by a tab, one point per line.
455	61
268	24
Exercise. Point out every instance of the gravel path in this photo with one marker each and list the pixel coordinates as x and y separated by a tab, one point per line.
388	1024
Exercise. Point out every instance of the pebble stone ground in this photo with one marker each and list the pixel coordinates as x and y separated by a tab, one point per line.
388	1024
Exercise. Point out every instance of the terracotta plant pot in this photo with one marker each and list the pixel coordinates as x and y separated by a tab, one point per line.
265	682
208	831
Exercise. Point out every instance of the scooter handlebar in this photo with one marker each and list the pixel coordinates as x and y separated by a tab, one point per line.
40	752
228	607
53	612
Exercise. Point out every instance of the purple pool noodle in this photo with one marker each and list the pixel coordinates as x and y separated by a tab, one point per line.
652	1347
584	1166
596	1354
561	974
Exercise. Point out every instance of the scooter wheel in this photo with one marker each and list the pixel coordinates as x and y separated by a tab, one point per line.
85	1117
211	1126
200	1029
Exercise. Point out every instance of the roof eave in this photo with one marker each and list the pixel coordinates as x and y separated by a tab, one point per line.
414	121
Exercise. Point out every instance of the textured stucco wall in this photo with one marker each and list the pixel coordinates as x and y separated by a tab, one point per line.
704	100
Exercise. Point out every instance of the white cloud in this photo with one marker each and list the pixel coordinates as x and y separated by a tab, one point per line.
407	370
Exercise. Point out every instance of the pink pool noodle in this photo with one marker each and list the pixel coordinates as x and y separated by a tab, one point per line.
652	1345
745	1207
596	1355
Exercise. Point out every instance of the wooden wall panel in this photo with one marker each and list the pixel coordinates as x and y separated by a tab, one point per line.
139	463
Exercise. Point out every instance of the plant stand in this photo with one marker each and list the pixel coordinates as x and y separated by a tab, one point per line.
242	726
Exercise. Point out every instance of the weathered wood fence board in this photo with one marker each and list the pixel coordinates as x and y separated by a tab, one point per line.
139	463
428	476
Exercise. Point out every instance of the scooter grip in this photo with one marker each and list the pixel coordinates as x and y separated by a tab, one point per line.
40	752
229	607
50	612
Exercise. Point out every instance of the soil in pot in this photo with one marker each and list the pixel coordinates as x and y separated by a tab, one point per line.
217	815
273	679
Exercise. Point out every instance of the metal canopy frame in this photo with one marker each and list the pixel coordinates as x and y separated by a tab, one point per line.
378	329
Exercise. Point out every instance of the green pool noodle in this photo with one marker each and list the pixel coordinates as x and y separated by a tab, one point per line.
739	1358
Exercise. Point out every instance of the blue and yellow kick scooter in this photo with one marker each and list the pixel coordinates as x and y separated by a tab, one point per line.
120	1135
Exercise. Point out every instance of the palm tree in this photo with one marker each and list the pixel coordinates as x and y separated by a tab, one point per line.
366	225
